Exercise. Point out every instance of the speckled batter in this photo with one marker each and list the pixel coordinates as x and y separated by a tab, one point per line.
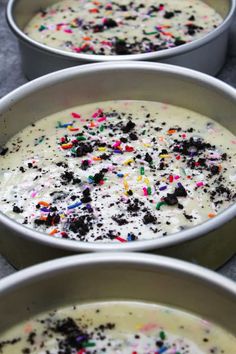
118	171
117	328
122	27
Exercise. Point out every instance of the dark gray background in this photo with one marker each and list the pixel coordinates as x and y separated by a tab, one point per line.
11	77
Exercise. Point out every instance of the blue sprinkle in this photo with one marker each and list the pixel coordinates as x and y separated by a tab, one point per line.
64	125
74	205
80	338
46	210
120	175
129	237
118	152
162	188
162	350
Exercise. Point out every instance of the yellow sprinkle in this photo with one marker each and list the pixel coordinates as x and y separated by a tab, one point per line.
164	156
147	145
126	185
139	178
102	149
127	162
146	181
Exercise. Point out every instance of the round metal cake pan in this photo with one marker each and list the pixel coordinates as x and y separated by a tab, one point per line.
210	243
206	54
112	276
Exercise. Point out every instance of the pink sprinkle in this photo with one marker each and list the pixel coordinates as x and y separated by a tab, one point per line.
107	43
60	25
184	136
97	113
75	115
89	161
33	194
145	192
108	7
102	119
117	143
233	142
177	177
68	31
121	239
149	327
76	49
200	184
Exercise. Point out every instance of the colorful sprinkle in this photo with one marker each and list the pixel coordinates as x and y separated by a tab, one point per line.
73	206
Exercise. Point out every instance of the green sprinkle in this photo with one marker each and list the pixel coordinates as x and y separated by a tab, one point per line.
42	27
150	33
183	171
162	335
88	344
149	190
159	205
39	140
143	132
142	171
101	128
80	138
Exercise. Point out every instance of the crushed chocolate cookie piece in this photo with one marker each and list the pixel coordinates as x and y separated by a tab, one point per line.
171	199
149	219
17	210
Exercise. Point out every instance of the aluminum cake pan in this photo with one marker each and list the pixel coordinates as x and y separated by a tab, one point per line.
206	54
210	243
113	276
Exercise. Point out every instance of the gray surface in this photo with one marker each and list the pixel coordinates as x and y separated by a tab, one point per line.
11	77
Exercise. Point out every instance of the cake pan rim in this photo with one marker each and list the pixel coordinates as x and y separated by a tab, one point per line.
172	240
55	266
157	55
